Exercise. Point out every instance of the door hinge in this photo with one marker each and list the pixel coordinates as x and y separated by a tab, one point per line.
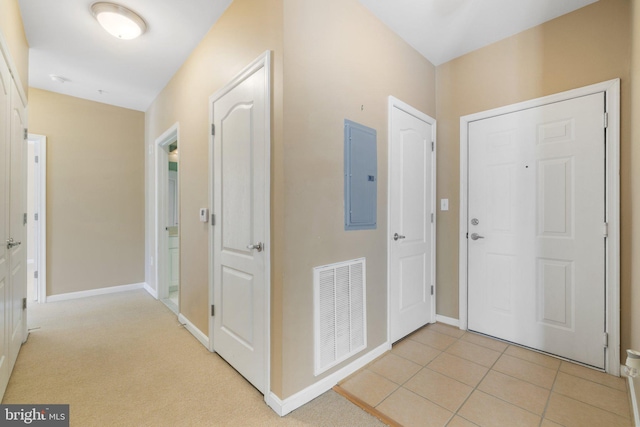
26	133
431	218
35	274
24	219
213	129
35	216
433	146
606	120
605	229
37	159
213	219
431	289
213	311
24	303
606	340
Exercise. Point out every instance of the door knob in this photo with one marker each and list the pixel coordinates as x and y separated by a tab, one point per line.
257	246
476	236
398	236
11	243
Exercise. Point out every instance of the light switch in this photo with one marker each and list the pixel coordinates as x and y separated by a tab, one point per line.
204	214
444	204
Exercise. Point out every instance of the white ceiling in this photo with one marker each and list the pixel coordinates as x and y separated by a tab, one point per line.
442	30
66	40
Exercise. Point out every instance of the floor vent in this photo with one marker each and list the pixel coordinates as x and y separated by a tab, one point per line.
339	312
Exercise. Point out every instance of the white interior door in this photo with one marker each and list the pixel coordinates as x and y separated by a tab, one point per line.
174	263
173	199
536	254
5	95
240	238
17	224
411	221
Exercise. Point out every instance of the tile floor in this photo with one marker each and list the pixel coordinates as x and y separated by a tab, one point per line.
442	376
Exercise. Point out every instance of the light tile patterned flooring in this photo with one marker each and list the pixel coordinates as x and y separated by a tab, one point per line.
442	376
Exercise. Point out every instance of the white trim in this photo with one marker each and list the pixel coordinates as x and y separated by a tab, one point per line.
160	215
197	333
396	103
612	90
283	407
448	320
40	141
95	292
633	396
151	291
262	61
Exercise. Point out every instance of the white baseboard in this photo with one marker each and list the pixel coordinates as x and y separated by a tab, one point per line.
151	291
634	399
94	292
283	407
448	320
204	340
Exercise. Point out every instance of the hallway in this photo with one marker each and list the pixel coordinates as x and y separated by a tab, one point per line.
124	360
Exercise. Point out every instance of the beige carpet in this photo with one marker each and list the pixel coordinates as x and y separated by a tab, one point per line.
124	360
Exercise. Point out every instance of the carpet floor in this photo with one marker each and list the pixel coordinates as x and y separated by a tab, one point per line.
125	360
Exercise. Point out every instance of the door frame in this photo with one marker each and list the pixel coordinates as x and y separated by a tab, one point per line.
262	61
611	89
161	193
40	175
396	103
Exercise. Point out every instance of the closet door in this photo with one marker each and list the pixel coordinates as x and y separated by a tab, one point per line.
5	95
17	225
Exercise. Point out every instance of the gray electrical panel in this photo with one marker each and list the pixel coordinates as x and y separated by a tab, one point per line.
360	177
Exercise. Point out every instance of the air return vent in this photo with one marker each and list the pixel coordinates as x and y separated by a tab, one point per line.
339	312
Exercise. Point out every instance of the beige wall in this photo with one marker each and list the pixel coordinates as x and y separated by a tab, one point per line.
340	63
587	46
325	83
13	34
95	191
246	30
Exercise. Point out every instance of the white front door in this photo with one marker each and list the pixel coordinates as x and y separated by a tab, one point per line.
536	254
411	226
17	224
241	171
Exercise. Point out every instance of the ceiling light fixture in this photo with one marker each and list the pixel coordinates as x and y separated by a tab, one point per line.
58	79
118	21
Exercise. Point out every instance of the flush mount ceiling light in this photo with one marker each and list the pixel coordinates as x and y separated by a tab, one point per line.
118	21
58	79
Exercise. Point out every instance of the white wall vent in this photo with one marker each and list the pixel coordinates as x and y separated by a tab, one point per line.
340	316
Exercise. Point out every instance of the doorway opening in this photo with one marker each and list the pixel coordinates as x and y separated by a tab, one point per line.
168	219
36	218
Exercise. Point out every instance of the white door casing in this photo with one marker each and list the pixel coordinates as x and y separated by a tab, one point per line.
40	207
541	183
411	228
240	166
